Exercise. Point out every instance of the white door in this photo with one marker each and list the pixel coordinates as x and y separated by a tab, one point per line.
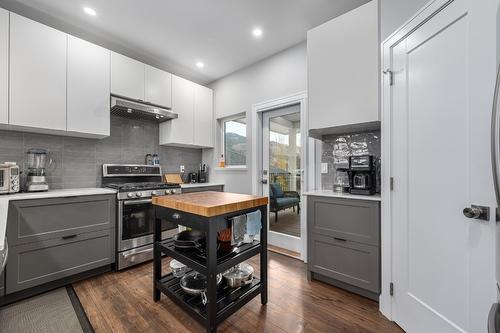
283	175
88	88
4	66
442	261
158	86
37	87
127	77
203	116
179	131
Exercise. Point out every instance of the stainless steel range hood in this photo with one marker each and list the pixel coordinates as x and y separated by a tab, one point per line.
140	110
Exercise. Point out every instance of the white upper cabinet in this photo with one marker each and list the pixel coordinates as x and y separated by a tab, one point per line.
127	77
194	105
158	86
203	114
343	70
37	75
4	66
179	131
88	89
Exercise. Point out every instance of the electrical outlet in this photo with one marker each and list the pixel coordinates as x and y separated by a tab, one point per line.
182	169
324	167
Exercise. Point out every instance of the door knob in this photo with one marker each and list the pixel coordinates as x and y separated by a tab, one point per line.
477	212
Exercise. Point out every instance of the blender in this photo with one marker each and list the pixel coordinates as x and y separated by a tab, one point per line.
36	180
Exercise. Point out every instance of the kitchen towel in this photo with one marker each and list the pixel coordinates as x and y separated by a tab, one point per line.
239	228
254	223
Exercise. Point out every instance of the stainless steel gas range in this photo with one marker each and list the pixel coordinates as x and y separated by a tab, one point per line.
136	185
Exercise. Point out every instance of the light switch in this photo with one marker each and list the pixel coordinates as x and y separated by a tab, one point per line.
324	167
182	169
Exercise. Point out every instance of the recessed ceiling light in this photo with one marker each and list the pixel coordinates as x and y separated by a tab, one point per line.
257	32
89	11
199	64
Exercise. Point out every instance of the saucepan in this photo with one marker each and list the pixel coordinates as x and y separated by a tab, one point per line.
195	283
238	276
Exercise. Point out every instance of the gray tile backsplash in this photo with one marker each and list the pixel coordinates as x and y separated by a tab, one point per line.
78	161
336	150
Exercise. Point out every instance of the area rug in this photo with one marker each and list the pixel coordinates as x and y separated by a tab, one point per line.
56	311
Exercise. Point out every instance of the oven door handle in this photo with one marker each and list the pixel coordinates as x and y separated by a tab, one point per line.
137	202
137	253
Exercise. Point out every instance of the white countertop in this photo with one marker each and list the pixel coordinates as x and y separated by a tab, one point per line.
332	194
191	185
6	198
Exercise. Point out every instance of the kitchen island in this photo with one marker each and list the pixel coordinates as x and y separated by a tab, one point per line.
209	212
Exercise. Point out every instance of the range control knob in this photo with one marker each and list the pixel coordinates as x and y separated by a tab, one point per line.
138	194
154	193
130	194
172	191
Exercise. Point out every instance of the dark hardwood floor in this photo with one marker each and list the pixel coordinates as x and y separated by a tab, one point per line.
122	302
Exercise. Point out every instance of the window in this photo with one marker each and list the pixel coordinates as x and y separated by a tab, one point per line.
234	141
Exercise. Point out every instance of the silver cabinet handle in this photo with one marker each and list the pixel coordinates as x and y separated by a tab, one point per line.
176	216
495	138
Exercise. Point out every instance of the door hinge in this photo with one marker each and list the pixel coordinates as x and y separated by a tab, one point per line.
391	76
391	289
391	183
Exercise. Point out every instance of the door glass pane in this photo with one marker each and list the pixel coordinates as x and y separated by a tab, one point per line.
285	173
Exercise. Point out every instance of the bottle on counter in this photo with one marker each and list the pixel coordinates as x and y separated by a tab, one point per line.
149	159
222	161
156	159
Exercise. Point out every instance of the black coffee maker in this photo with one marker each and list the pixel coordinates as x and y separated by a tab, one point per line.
362	175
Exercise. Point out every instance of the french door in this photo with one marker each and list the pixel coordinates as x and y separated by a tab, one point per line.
283	176
442	261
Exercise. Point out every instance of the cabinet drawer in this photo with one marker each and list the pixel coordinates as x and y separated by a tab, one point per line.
33	264
36	220
355	220
203	189
349	262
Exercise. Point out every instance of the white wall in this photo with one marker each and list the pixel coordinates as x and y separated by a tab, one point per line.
393	13
280	75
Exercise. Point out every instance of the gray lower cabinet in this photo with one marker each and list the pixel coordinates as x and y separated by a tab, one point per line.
344	243
52	239
216	188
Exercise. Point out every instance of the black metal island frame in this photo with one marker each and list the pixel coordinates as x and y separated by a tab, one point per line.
209	212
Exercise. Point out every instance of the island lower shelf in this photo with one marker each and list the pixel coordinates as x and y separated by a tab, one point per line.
229	300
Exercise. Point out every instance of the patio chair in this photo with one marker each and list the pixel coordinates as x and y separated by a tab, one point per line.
281	200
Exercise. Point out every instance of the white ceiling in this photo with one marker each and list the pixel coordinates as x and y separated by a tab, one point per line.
175	34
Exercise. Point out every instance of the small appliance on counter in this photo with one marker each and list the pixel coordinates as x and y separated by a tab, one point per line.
341	183
37	161
203	174
9	177
362	175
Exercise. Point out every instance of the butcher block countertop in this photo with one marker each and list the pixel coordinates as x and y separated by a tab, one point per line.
210	203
